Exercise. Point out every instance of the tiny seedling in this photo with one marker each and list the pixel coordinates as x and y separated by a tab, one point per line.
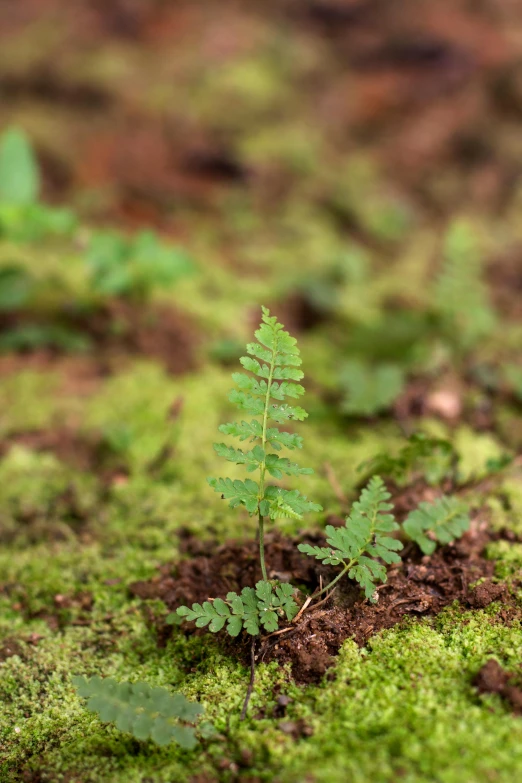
143	711
364	538
433	456
437	523
23	218
368	389
273	363
133	267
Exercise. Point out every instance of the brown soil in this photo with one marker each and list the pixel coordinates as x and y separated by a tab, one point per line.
492	678
505	280
86	453
116	331
426	87
10	647
419	587
161	333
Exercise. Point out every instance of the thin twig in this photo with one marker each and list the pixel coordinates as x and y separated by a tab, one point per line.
304	606
335	485
252	678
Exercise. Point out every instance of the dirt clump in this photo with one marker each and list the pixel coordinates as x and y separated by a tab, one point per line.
418	587
112	332
160	332
492	678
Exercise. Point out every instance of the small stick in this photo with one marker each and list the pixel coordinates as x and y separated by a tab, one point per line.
335	485
304	606
252	678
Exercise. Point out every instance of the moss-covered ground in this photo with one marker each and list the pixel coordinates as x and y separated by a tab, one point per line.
322	227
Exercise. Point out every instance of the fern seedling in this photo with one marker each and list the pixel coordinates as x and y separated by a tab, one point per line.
437	523
140	710
254	609
262	392
435	455
460	296
275	361
364	539
368	390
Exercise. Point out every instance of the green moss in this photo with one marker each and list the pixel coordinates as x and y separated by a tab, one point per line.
506	506
405	706
40	497
27	401
508	557
406	709
474	450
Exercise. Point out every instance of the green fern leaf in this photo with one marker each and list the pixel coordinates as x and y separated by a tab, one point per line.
274	366
139	709
369	390
444	520
19	173
237	492
434	454
263	606
364	537
461	296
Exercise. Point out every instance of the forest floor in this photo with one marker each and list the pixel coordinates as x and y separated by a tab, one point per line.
356	167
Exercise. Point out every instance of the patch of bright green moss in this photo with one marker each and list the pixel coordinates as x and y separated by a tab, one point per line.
474	450
27	401
404	706
508	557
506	506
41	497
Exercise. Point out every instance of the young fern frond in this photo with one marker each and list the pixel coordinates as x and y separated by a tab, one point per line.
365	537
143	711
262	607
273	363
418	451
445	519
460	295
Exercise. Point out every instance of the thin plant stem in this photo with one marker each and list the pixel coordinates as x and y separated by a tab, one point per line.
262	547
262	467
252	679
334	581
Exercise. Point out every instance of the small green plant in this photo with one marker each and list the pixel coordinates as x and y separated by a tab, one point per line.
19	173
460	296
437	523
23	218
363	540
16	287
434	456
275	360
369	389
33	336
254	609
273	363
133	267
143	711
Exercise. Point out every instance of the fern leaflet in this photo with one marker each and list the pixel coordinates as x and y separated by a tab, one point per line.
273	363
143	711
365	537
262	607
444	520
